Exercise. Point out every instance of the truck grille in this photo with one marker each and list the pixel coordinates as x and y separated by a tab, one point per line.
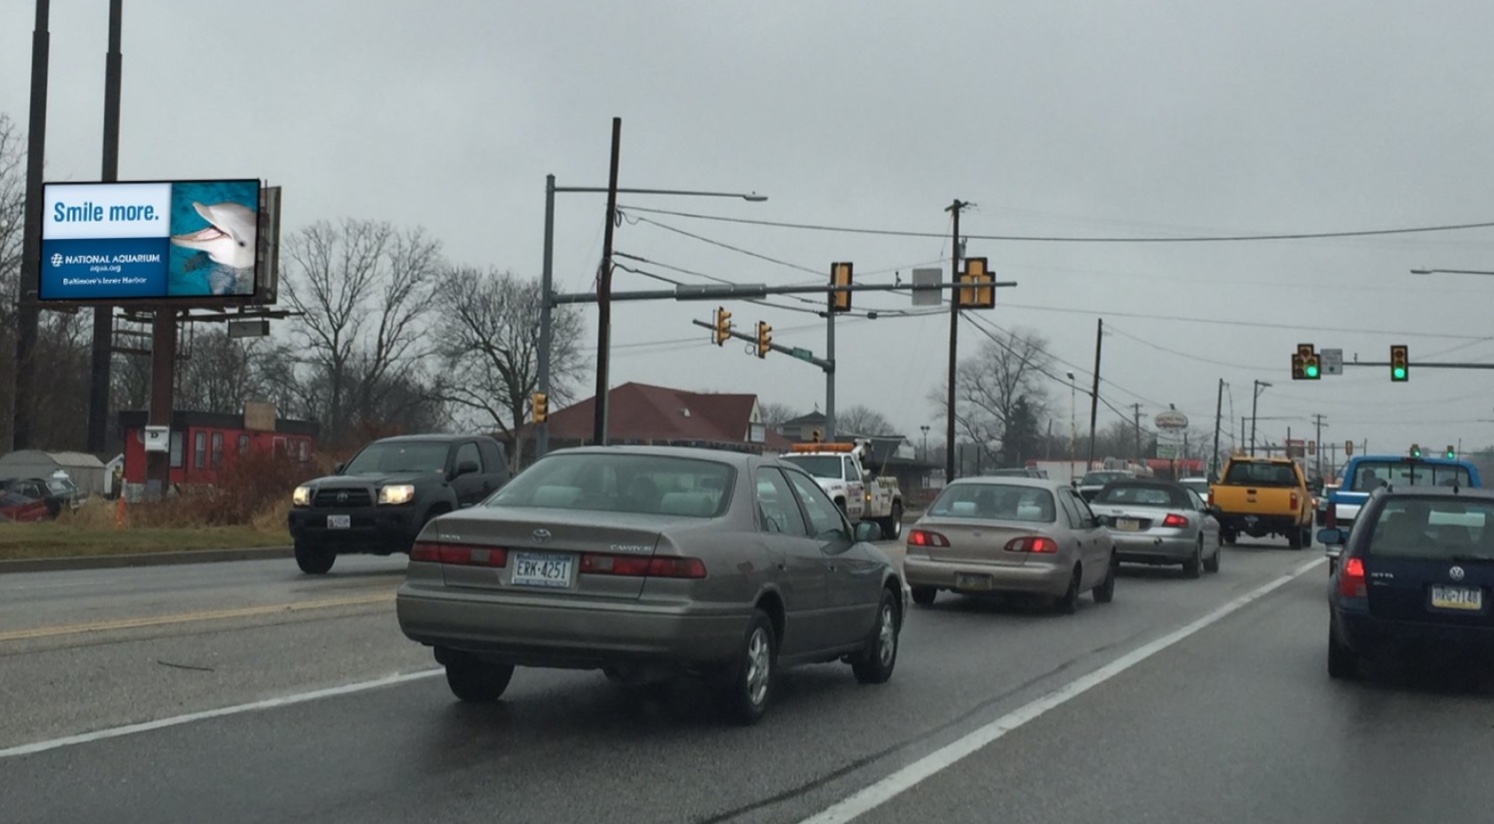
338	498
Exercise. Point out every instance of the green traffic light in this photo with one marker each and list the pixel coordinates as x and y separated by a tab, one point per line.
1399	373
1312	371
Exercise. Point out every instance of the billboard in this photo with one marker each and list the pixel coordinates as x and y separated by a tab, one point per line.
193	240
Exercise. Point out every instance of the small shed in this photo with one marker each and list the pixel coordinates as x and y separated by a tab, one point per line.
87	472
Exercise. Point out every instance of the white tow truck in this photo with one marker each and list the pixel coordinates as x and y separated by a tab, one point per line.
860	493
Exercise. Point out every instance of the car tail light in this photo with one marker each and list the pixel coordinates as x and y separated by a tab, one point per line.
1351	580
1174	521
459	554
1032	543
1295	500
923	537
632	566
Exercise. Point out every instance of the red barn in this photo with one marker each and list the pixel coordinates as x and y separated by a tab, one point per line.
202	443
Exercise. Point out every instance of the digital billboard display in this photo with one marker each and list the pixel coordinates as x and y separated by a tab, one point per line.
152	242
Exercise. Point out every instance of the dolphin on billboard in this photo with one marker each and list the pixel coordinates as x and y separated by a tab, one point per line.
229	237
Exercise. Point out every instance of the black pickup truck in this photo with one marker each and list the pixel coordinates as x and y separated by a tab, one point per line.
379	501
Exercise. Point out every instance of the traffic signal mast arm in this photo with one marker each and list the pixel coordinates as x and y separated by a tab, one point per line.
752	291
828	366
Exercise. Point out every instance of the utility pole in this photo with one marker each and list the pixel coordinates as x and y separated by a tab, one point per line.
830	373
103	316
1094	395
28	312
1218	419
954	329
547	313
1136	413
604	294
1254	404
1319	449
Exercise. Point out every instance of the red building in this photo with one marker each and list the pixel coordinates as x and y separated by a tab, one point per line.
202	443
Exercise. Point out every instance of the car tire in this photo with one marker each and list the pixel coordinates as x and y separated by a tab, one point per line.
1294	538
315	560
1105	592
746	684
1211	563
1193	567
892	526
924	596
874	664
1307	537
476	681
1343	663
1068	603
1227	537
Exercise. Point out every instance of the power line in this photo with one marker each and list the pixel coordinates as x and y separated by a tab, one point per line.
814	227
1076	367
1241	323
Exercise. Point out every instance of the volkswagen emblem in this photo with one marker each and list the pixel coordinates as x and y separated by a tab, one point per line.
1456	573
543	536
342	497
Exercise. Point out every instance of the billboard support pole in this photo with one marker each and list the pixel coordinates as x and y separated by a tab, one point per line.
162	384
28	312
103	316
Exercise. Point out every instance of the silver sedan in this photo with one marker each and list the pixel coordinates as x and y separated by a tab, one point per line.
652	562
1159	522
1012	535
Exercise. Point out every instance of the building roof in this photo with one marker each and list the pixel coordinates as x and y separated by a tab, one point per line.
182	419
641	412
60	460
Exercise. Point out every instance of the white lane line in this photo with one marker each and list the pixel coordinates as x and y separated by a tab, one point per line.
191	717
905	779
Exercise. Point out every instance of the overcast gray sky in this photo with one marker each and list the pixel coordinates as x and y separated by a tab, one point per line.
1136	118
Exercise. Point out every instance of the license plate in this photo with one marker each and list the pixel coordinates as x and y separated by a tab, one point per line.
1466	598
339	521
542	569
964	581
1128	524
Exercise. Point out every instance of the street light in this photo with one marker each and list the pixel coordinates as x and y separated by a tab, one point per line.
547	291
1073	425
1259	385
925	429
1450	271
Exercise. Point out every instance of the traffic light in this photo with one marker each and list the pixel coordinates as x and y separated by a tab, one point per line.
723	326
1311	368
1312	447
840	275
541	403
1400	366
1305	363
981	294
1415	451
1299	367
1451	453
764	338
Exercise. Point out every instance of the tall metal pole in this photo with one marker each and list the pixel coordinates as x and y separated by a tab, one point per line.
954	332
1137	423
547	310
1094	395
830	373
28	312
1254	404
103	316
1073	423
1218	419
1318	449
604	293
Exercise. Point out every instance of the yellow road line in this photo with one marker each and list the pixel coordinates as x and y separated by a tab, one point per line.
190	617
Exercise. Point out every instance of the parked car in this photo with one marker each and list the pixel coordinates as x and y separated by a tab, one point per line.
650	563
1158	522
22	509
379	501
1010	535
36	489
1417	572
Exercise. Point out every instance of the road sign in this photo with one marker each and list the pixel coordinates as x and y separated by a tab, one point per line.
802	354
1332	361
1168	451
254	328
1348	448
1171	419
923	279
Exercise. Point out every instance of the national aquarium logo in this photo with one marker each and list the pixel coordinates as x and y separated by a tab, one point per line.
59	260
56	261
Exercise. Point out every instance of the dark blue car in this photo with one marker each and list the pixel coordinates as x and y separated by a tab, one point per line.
1416	576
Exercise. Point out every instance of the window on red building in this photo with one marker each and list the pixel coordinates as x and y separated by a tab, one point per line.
243	444
199	450
217	450
305	451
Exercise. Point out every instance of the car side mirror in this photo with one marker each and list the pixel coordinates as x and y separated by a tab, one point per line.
1331	536
466	468
337	470
868	531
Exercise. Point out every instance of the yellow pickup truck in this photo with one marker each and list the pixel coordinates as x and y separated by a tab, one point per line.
1260	497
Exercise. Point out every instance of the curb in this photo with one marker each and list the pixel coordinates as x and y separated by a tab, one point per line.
190	556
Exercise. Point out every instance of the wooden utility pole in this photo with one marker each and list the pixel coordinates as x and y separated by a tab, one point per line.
954	332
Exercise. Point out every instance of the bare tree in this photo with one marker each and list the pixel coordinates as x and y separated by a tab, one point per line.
1007	369
12	226
489	341
862	420
775	415
218	373
362	288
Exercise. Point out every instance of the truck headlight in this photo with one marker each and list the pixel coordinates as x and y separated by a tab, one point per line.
302	496
396	494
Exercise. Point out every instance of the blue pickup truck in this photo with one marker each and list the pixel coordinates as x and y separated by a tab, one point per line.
1366	473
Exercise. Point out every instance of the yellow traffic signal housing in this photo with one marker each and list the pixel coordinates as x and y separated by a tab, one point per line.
764	339
840	275
1299	367
1400	366
980	293
1311	368
723	326
541	404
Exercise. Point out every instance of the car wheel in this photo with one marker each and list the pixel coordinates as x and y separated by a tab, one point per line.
1211	563
477	681
747	685
1193	567
1105	592
1343	663
1307	537
924	596
892	527
1068	603
1227	536
314	560
1294	538
874	664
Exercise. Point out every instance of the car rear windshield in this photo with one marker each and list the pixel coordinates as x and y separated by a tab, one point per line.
820	466
639	484
995	502
1260	474
1442	528
1370	475
398	457
1142	495
1101	478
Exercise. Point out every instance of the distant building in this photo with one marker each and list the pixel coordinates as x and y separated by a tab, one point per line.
203	443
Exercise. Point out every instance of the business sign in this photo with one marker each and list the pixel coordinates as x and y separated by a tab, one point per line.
152	242
1171	419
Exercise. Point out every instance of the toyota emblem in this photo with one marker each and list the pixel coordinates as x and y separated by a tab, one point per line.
342	497
542	535
1456	573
